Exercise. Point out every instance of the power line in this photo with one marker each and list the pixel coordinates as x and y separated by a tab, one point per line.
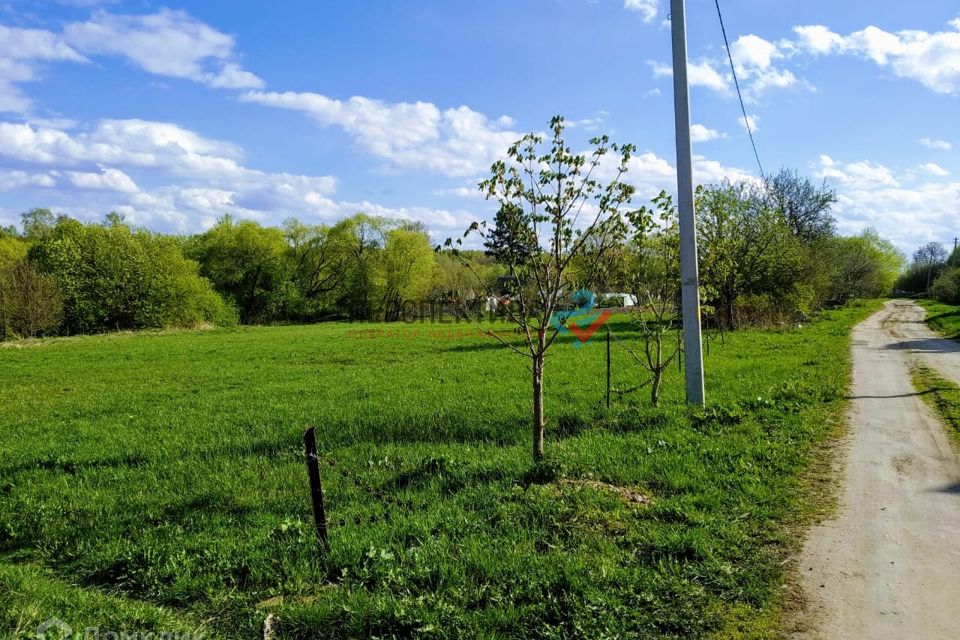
736	83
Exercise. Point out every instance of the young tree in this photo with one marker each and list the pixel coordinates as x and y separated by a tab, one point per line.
551	204
655	285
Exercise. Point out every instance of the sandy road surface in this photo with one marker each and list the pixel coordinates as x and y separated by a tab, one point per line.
888	564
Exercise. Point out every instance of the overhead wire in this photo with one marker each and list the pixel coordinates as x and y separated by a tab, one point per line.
736	83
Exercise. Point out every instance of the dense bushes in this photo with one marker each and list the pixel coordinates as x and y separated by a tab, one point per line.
65	276
30	301
112	277
946	288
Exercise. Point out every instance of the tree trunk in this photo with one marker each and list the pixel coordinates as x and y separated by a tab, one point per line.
657	371
538	421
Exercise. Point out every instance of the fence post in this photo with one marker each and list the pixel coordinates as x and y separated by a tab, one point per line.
608	367
316	489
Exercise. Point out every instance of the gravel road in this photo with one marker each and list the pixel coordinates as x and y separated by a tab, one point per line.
887	565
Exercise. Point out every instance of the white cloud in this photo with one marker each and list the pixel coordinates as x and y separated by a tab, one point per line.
167	43
933	59
753	51
454	142
935	169
588	124
10	180
856	175
701	133
754	59
872	195
108	179
20	50
699	74
472	192
818	39
646	8
752	119
204	179
938	145
207	176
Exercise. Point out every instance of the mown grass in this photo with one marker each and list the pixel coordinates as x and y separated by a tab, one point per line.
942	394
943	318
156	482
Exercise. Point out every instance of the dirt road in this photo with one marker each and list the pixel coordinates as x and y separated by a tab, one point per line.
888	564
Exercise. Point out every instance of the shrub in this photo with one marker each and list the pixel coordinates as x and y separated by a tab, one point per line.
31	301
112	277
946	288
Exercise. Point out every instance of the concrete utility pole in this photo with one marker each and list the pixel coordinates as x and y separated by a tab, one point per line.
689	278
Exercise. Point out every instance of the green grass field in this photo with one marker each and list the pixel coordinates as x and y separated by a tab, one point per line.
943	318
155	482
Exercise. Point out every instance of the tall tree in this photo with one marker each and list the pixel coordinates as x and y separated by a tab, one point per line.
37	222
408	263
246	263
805	205
931	257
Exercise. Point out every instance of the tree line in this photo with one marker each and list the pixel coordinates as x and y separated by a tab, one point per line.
768	251
934	272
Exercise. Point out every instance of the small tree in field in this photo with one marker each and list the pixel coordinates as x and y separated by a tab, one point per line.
655	284
552	204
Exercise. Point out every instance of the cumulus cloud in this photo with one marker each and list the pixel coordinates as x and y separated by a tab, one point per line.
10	180
930	58
207	175
873	195
935	169
937	145
701	133
754	59
408	135
699	74
167	43
108	179
856	175
20	51
200	179
817	39
646	8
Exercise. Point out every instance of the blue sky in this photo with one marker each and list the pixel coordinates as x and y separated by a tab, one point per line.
177	113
